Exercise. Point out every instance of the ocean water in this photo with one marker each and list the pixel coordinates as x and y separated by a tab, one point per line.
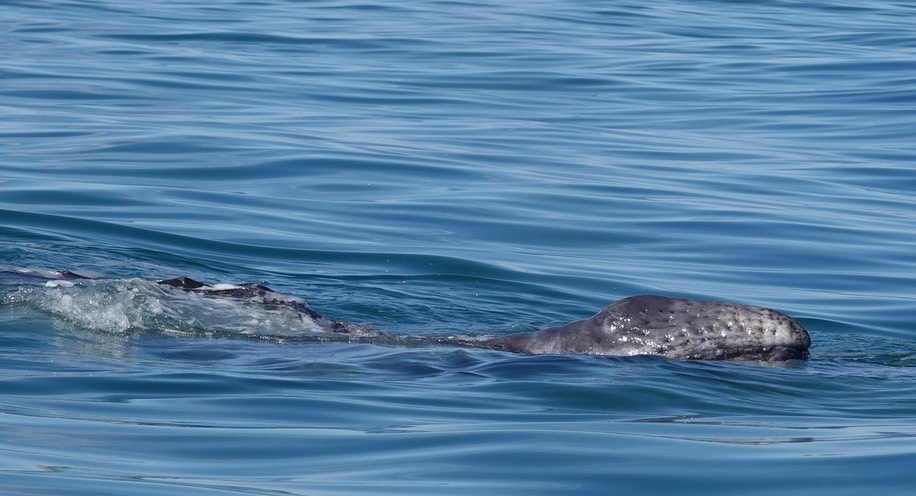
454	168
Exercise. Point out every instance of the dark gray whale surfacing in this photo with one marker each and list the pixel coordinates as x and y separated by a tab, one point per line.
675	328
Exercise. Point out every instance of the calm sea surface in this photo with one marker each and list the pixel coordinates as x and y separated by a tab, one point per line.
455	168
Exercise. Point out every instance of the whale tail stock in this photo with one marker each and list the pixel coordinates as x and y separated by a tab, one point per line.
269	298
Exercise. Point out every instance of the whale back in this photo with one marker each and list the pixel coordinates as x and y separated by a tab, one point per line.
639	325
672	327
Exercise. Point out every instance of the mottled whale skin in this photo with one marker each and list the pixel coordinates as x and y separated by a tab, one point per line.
675	328
672	327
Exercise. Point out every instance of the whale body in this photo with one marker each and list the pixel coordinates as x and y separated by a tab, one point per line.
674	328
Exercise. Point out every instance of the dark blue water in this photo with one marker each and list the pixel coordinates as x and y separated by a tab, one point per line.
465	168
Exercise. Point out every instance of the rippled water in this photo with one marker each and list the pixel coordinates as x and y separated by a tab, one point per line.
464	168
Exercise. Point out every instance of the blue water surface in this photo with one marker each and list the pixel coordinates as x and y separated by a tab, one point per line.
457	168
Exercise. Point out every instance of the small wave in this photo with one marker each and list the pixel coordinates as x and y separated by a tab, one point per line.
127	305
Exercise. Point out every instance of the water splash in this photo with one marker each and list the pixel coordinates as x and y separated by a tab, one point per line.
128	305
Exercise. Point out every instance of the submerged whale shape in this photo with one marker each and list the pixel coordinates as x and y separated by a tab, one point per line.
675	328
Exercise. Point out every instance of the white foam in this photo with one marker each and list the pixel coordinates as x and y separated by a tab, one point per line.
219	287
59	283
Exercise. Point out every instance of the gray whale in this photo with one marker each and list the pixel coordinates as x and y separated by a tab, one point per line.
672	327
675	328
